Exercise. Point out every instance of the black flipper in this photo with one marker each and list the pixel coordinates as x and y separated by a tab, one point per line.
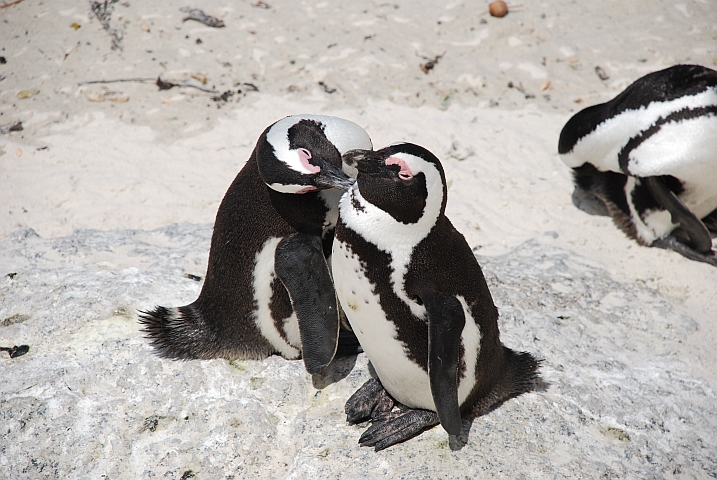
672	243
445	325
699	237
300	265
397	426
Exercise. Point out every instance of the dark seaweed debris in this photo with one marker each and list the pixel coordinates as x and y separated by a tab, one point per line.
199	16
11	127
16	351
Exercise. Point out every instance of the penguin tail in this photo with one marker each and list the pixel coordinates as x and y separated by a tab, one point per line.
519	375
178	333
522	372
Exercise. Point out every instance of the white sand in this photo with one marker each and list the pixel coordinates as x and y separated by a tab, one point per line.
165	157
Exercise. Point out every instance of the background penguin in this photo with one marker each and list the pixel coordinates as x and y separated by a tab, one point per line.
650	155
417	300
268	287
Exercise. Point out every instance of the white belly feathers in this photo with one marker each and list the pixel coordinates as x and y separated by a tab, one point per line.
405	380
263	277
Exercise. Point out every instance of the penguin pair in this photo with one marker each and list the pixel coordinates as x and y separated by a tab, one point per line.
649	156
417	300
268	287
412	290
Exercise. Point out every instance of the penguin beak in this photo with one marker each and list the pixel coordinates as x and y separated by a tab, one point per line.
365	161
331	176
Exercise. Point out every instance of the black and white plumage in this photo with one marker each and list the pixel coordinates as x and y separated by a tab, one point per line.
417	300
650	155
268	287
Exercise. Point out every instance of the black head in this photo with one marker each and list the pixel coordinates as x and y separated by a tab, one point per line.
302	153
404	180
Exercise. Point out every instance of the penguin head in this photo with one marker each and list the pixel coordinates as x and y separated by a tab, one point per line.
302	153
403	179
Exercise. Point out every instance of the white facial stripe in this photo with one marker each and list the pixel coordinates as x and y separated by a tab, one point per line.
345	136
602	146
263	278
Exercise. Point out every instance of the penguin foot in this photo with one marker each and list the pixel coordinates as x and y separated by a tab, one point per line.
672	243
397	426
370	400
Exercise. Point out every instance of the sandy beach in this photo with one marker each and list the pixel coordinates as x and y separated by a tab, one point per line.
109	191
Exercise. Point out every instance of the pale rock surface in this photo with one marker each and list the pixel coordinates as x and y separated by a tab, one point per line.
121	181
618	397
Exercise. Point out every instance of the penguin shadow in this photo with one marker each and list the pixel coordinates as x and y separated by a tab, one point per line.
589	203
337	370
592	205
457	442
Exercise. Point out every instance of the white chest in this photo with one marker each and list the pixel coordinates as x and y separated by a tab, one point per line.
402	378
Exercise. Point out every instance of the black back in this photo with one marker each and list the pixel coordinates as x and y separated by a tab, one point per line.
661	86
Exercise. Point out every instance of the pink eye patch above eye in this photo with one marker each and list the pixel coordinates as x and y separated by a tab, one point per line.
304	156
405	173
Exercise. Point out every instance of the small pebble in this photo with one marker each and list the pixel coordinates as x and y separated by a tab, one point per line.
498	9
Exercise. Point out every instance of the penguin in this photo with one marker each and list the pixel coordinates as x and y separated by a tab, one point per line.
649	156
268	288
416	298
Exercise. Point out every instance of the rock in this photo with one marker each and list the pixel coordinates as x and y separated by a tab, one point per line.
92	399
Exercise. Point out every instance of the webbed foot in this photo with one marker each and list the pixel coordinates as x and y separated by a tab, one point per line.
369	400
390	428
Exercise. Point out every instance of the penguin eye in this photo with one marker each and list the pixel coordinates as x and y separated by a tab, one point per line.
304	154
304	157
405	172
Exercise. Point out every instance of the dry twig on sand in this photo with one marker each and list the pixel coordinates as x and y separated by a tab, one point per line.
8	4
162	84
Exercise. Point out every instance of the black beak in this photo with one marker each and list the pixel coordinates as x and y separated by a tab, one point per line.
365	161
331	176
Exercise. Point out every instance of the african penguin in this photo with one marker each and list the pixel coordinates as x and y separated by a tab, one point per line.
650	155
268	287
417	300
